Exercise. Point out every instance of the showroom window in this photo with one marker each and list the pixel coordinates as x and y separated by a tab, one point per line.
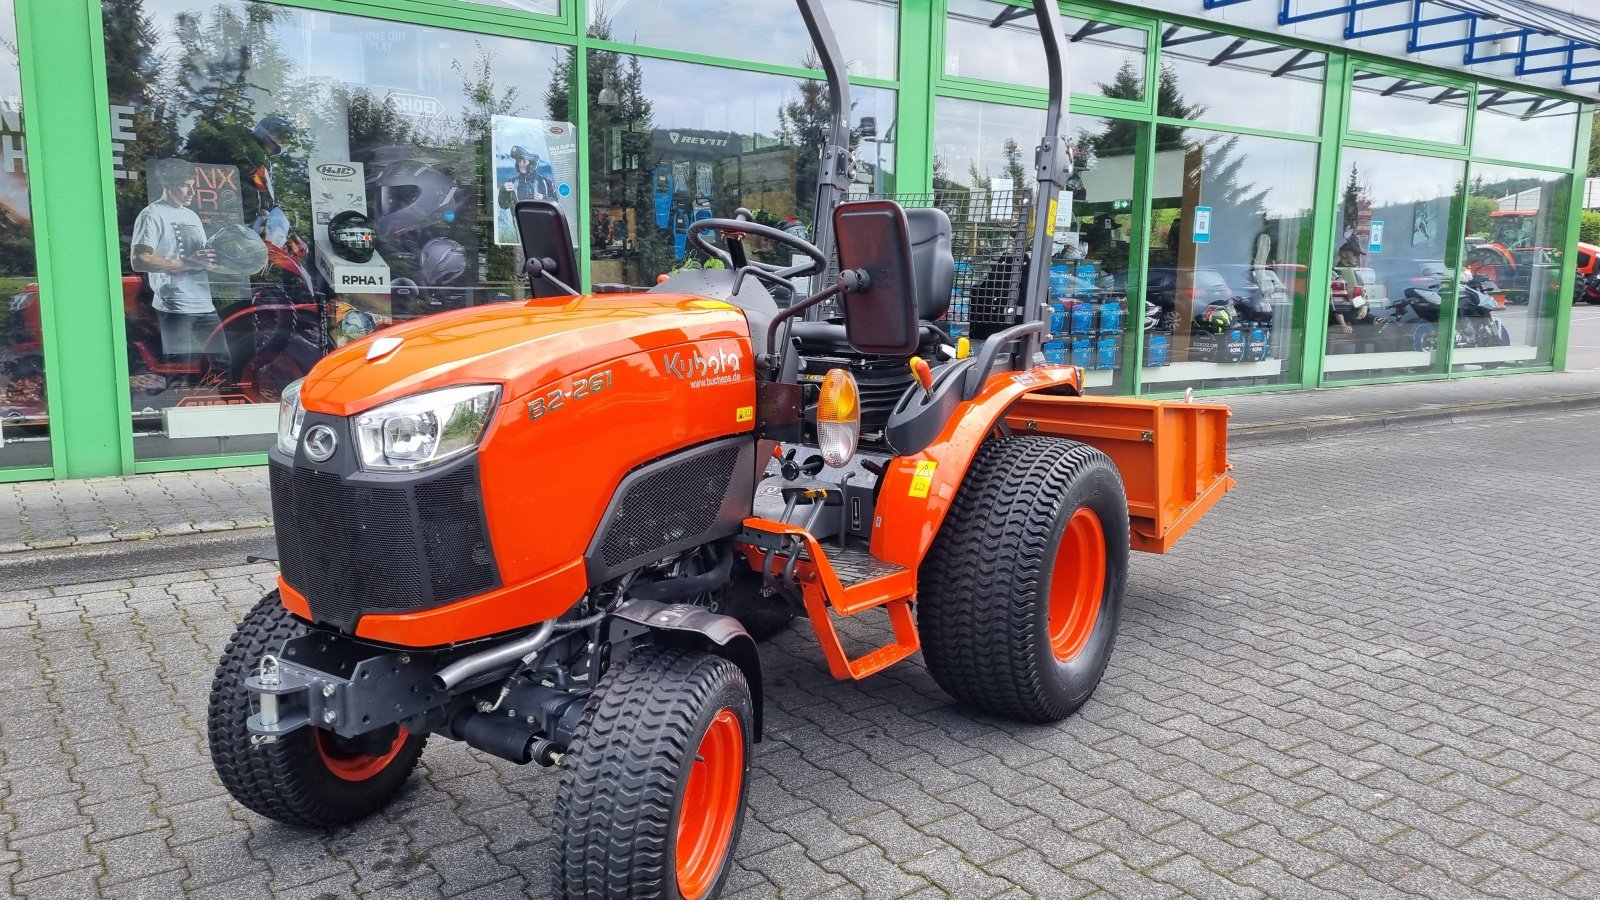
770	32
289	180
1404	107
1529	128
1395	263
672	142
24	421
1516	235
1230	249
1210	76
982	167
1000	42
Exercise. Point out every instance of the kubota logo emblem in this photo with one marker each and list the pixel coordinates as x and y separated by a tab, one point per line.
700	369
320	443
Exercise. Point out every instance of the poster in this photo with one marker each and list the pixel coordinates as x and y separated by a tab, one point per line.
532	159
218	200
1375	237
1202	224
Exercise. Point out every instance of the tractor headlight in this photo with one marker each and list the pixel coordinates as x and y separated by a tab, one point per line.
425	430
838	417
291	415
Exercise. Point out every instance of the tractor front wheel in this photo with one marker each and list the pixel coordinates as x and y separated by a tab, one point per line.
1022	590
308	777
653	787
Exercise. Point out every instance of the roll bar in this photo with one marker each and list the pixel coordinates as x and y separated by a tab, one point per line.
838	165
1052	158
1052	168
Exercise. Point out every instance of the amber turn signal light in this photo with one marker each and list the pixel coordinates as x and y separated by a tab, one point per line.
838	417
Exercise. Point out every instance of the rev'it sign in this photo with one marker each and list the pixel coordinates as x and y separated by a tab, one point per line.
693	143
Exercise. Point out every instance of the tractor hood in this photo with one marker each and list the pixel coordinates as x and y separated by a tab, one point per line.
522	345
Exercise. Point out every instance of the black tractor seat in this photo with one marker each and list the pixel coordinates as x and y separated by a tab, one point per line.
933	272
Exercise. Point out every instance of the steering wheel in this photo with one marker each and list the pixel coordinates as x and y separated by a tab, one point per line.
736	229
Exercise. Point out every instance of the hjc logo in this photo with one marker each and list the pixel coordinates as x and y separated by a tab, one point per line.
334	170
363	280
685	366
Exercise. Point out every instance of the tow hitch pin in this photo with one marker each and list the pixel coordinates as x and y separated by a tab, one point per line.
269	678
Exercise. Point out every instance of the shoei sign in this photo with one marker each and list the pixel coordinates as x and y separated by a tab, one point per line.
693	143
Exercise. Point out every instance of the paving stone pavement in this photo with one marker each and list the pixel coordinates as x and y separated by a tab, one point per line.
1372	672
43	515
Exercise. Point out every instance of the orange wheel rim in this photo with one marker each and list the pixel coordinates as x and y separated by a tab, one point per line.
1077	584
357	766
710	805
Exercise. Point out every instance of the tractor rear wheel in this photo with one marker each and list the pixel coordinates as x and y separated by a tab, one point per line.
308	777
653	787
1021	593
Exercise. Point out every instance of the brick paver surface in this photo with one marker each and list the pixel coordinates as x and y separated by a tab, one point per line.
1372	672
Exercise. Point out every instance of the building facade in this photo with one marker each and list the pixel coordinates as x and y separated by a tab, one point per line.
224	190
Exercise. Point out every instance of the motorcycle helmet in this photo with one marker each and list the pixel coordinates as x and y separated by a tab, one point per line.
352	235
412	195
275	133
237	251
1216	319
356	324
442	261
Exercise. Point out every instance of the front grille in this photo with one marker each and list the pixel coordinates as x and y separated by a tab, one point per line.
352	548
675	502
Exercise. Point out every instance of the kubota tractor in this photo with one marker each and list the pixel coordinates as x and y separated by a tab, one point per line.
555	528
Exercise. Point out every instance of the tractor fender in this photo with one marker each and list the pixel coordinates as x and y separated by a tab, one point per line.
916	490
685	625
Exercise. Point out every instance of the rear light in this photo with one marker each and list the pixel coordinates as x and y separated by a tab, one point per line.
838	417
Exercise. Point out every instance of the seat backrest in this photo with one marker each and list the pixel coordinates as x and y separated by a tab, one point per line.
932	266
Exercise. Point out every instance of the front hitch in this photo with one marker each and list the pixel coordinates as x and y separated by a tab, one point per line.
339	685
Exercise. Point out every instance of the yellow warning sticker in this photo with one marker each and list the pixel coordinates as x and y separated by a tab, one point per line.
745	414
923	479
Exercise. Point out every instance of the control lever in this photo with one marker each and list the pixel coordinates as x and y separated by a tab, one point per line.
787	466
923	373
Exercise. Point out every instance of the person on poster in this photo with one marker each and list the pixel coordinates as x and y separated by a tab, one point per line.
169	245
532	182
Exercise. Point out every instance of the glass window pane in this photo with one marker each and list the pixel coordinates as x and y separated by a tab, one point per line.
1230	247
674	142
545	7
1102	58
1206	74
24	422
769	32
1516	231
289	180
1524	127
1394	263
985	150
1405	107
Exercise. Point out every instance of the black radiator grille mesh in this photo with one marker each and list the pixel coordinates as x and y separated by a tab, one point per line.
666	506
353	548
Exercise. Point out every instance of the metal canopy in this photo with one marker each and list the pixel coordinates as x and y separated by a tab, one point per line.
1491	25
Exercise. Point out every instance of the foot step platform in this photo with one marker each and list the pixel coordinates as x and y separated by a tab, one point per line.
848	580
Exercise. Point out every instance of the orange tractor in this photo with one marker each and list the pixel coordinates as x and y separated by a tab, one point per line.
555	528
